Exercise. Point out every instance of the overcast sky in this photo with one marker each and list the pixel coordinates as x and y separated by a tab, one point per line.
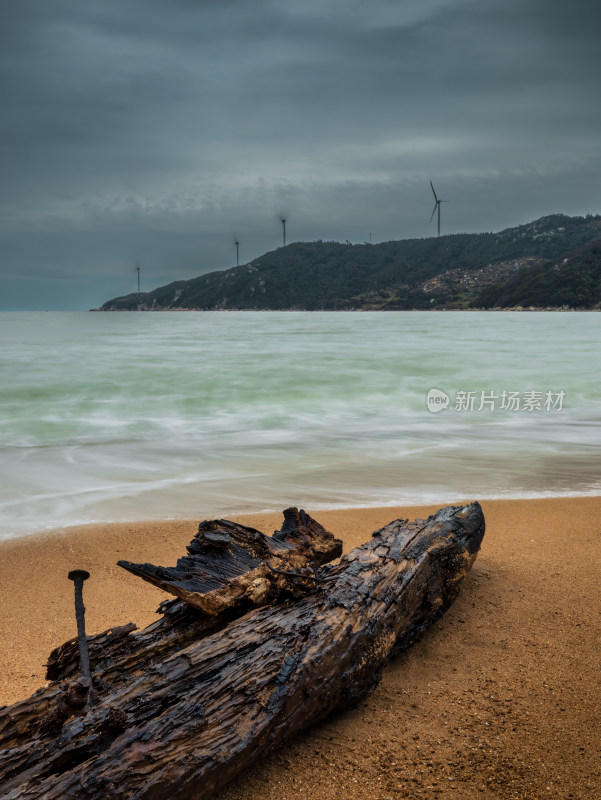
158	130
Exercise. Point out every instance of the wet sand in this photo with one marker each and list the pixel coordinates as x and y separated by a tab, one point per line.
500	699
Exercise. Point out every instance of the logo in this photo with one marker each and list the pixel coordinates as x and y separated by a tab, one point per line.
437	401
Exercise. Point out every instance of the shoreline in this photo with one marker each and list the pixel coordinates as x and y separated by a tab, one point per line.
157	310
499	698
80	527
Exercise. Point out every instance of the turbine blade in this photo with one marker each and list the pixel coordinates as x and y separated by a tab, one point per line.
434	212
433	192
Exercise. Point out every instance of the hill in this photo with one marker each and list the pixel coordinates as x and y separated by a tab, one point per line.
553	261
573	281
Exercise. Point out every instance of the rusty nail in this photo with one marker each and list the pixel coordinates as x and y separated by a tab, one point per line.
78	576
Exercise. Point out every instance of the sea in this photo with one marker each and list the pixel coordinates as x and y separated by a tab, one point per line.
138	416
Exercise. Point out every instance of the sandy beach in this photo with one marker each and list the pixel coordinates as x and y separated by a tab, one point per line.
500	699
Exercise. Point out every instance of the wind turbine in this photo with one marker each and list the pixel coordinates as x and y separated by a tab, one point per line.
138	271
237	243
436	206
283	219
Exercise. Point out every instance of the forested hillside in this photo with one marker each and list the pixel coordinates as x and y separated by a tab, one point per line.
553	262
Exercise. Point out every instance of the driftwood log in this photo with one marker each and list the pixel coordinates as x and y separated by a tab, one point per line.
191	701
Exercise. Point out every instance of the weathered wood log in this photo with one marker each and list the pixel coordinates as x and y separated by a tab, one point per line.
189	722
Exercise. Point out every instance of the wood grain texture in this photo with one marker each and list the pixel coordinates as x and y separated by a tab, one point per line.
230	564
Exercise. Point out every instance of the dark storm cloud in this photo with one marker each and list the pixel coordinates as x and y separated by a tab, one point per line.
154	130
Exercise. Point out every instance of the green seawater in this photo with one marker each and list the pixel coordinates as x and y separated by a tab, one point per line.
124	416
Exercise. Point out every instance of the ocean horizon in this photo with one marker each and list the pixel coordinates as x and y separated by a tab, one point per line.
130	416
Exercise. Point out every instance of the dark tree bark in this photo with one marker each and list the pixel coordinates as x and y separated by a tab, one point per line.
191	719
229	564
